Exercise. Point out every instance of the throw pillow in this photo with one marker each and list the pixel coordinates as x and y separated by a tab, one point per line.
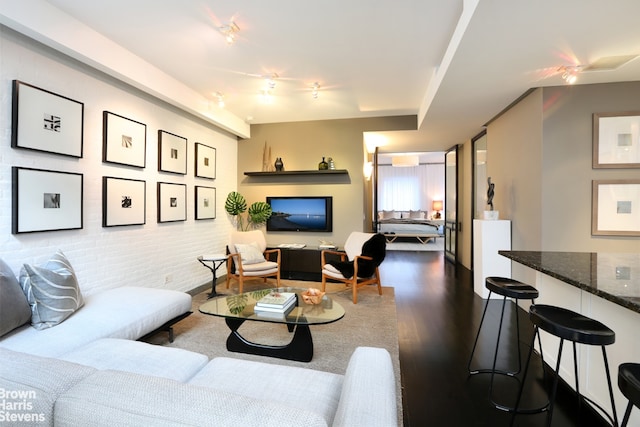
52	291
250	254
416	214
14	308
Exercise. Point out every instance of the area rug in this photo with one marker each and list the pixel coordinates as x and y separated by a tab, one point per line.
371	322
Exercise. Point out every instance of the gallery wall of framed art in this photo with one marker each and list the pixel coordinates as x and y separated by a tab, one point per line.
48	122
70	126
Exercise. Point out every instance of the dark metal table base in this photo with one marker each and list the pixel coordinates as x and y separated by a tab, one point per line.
216	264
299	349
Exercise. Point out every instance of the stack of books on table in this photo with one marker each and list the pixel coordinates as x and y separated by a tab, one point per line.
276	302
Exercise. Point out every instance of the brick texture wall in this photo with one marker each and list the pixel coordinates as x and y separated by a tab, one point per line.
153	255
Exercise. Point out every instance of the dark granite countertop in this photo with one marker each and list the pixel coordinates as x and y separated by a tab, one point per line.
612	276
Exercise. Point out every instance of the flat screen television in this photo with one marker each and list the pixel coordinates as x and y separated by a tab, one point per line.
301	213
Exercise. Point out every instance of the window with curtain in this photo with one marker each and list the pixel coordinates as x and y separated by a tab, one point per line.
410	188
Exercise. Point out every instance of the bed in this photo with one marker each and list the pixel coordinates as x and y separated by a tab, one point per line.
411	224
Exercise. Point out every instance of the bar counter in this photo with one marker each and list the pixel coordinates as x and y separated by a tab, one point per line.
612	276
602	286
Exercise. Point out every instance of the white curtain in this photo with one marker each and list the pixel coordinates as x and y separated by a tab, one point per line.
410	188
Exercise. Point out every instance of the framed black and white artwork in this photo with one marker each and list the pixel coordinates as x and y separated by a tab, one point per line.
45	121
616	140
615	207
205	198
172	153
45	200
123	201
205	161
172	202
124	141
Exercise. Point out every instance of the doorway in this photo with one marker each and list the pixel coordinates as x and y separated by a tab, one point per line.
451	205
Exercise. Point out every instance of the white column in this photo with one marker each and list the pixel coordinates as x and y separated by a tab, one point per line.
489	237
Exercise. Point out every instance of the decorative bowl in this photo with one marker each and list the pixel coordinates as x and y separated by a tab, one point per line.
312	296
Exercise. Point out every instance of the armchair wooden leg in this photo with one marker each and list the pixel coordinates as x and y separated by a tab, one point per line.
240	284
324	283
354	290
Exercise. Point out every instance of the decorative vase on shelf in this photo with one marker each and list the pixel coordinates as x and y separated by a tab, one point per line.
332	165
279	165
323	166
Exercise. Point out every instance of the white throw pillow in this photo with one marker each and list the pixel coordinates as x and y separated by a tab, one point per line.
250	254
416	215
52	291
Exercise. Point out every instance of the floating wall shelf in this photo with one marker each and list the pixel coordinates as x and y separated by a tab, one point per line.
304	172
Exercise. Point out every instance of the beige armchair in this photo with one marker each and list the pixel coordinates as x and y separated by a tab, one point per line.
249	259
358	265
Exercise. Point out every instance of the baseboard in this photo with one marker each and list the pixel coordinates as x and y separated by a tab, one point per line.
206	286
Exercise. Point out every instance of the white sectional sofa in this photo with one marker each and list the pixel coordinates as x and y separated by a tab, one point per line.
221	392
88	370
126	312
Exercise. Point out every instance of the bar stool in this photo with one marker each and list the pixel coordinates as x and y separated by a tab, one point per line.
571	326
629	384
508	288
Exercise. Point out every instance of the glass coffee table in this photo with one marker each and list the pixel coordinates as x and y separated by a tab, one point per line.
236	309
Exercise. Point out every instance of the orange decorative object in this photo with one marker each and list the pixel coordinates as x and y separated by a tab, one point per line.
312	296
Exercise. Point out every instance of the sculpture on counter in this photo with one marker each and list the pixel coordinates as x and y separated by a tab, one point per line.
490	192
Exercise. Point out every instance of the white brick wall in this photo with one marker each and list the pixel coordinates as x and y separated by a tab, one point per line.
107	257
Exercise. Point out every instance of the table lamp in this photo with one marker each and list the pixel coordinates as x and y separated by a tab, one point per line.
437	206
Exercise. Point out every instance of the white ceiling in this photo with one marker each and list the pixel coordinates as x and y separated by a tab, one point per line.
453	67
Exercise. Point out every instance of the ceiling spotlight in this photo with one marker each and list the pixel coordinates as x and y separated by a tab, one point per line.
314	90
270	81
570	73
229	31
220	98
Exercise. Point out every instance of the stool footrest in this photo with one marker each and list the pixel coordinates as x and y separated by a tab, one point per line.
497	372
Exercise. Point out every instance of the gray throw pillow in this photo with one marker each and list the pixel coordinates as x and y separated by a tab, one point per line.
14	308
52	291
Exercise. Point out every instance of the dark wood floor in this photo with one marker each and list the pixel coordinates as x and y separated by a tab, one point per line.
438	317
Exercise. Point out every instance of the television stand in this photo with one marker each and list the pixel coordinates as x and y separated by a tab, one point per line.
300	263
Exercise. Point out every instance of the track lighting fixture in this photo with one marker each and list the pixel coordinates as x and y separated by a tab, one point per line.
229	32
220	99
570	73
270	81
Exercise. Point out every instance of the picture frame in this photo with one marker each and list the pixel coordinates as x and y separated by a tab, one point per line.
205	166
45	121
205	201
172	153
45	200
124	201
172	202
615	207
124	141
616	140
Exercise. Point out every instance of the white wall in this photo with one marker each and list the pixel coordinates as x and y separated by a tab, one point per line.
108	257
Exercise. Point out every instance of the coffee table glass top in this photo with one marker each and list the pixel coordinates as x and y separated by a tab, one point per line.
241	307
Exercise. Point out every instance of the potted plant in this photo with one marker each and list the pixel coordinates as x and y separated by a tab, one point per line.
257	214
